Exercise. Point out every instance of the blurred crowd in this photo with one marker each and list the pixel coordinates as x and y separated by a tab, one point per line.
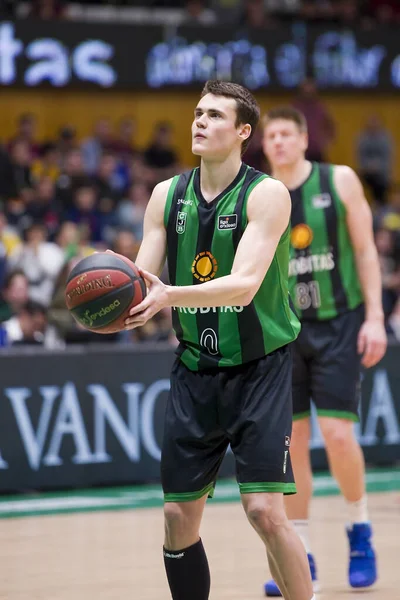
61	201
250	13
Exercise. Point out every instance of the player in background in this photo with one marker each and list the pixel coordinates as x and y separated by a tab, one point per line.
225	230
335	283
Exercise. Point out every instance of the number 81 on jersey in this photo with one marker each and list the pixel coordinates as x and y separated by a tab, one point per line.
307	295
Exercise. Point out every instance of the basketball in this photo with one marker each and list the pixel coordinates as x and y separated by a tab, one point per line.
101	289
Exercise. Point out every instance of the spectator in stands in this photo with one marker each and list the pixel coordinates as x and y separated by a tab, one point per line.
21	175
94	147
66	142
391	215
385	12
160	155
255	15
14	294
107	181
85	212
43	206
30	326
126	243
124	148
40	260
197	13
47	9
310	10
71	178
131	210
6	175
48	165
9	237
26	131
375	158
227	11
320	124
108	190
140	171
75	243
388	247
124	143
348	12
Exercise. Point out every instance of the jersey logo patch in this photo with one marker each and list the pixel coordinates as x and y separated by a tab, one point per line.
301	236
204	266
227	222
321	201
181	222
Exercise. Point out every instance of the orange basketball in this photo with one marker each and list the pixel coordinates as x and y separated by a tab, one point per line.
101	289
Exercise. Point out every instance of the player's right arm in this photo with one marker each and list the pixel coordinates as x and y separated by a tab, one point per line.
153	249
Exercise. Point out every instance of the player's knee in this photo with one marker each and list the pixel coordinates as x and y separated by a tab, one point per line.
181	523
300	435
338	437
175	519
265	518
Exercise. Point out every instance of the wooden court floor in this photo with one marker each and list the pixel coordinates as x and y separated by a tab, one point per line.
116	555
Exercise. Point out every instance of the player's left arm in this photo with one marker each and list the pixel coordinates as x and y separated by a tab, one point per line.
372	337
268	212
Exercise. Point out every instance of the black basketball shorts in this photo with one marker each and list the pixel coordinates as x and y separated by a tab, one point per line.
248	407
327	367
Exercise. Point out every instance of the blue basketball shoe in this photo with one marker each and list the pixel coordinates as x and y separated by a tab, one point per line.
362	565
272	590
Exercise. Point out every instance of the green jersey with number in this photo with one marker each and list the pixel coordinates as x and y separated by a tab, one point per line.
202	238
323	277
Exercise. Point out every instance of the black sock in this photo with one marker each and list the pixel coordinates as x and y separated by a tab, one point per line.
188	573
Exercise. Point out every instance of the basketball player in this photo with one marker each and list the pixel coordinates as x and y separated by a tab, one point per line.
335	284
224	228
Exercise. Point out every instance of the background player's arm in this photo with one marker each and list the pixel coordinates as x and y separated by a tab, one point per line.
268	214
372	339
152	252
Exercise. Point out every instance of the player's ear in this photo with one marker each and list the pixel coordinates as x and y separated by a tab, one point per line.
244	131
304	137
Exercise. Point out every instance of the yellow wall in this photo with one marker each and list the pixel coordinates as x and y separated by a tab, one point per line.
55	108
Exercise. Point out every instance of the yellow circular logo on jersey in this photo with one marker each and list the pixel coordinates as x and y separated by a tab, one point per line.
204	266
301	236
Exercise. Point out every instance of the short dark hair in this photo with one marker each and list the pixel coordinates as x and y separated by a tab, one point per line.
247	109
11	275
289	113
33	308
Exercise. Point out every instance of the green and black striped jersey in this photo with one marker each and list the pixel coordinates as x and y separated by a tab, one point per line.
202	238
323	277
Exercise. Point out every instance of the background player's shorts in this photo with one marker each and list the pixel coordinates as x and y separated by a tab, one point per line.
248	406
327	367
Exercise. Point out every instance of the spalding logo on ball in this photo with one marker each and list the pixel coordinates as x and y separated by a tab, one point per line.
101	289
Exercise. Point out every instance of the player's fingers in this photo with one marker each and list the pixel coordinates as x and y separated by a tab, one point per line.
110	251
148	276
361	342
137	321
140	307
376	353
370	353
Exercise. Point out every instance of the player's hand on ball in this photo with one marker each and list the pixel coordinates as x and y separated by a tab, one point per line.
372	342
155	300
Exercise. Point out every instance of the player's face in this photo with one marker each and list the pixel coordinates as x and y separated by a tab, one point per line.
214	130
283	142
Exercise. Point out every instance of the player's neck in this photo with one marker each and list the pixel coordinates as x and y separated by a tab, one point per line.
216	177
293	175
